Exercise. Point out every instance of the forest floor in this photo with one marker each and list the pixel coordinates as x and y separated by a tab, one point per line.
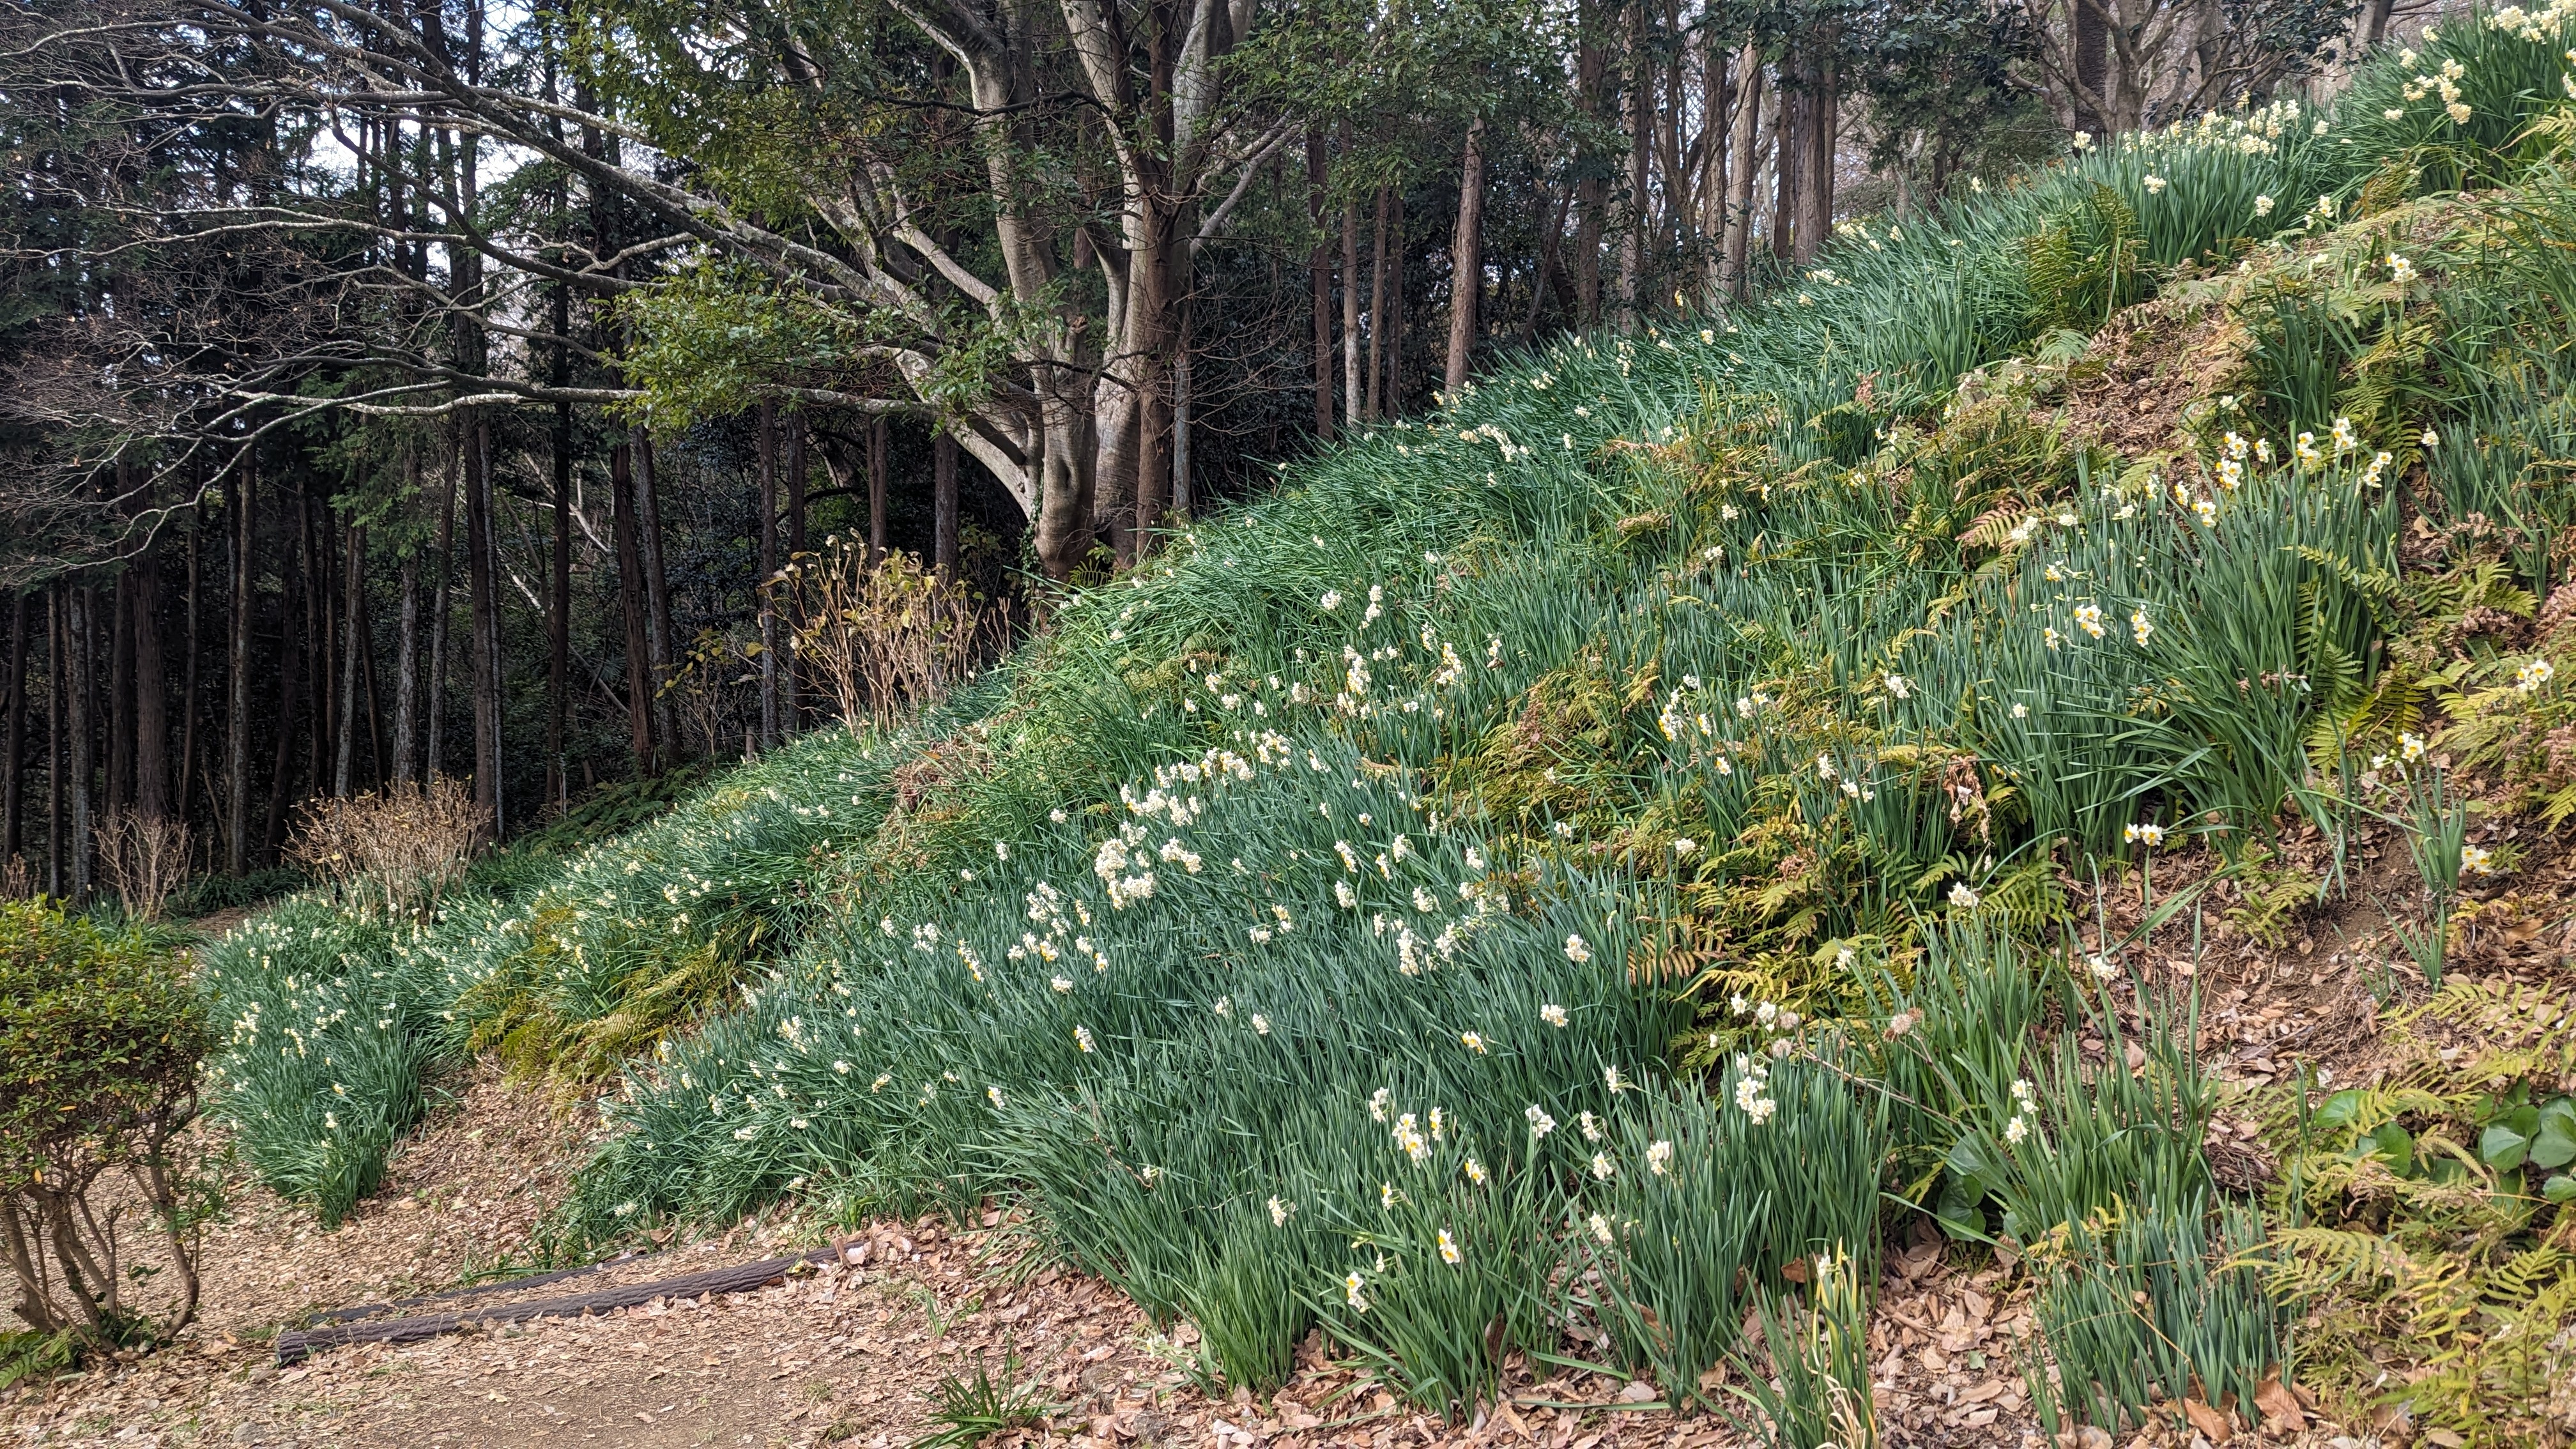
853	1352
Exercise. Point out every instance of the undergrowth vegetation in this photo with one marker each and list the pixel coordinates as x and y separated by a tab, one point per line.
1555	877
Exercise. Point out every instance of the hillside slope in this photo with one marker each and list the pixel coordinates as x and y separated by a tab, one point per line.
1570	874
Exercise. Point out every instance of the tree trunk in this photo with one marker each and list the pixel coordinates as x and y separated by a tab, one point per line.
484	601
365	625
1153	304
13	735
1816	187
1353	403
151	697
880	442
115	615
1319	283
317	633
559	600
433	715
1395	309
1639	114
1182	487
188	675
79	726
764	598
237	700
2091	40
1065	468
1377	310
791	704
1592	188
1736	277
1790	144
1467	259
405	765
657	598
630	603
290	695
2374	21
943	504
344	758
57	692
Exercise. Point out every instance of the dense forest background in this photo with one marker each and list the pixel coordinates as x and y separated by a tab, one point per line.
394	390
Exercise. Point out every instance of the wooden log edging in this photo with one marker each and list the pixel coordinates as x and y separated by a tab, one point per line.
479	1290
298	1345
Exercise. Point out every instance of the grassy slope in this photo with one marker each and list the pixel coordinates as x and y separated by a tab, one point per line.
1253	921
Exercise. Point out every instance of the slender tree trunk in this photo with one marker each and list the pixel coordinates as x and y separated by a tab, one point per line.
1377	310
318	616
290	692
484	601
880	443
1353	402
116	616
1639	98
1319	283
1787	169
791	702
1153	303
57	696
943	504
151	697
1396	254
433	714
765	599
80	726
237	700
344	747
630	602
1181	404
1735	278
1592	187
57	654
657	597
365	626
188	675
559	599
1544	269
13	725
405	766
1467	259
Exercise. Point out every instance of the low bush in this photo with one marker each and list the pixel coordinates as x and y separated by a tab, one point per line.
101	1038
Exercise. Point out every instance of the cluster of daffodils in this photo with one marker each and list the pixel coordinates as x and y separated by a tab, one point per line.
2025	1112
1752	1090
2477	860
2148	834
2531	674
2253	132
2444	81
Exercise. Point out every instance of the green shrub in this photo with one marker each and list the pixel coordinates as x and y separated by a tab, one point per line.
100	1039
